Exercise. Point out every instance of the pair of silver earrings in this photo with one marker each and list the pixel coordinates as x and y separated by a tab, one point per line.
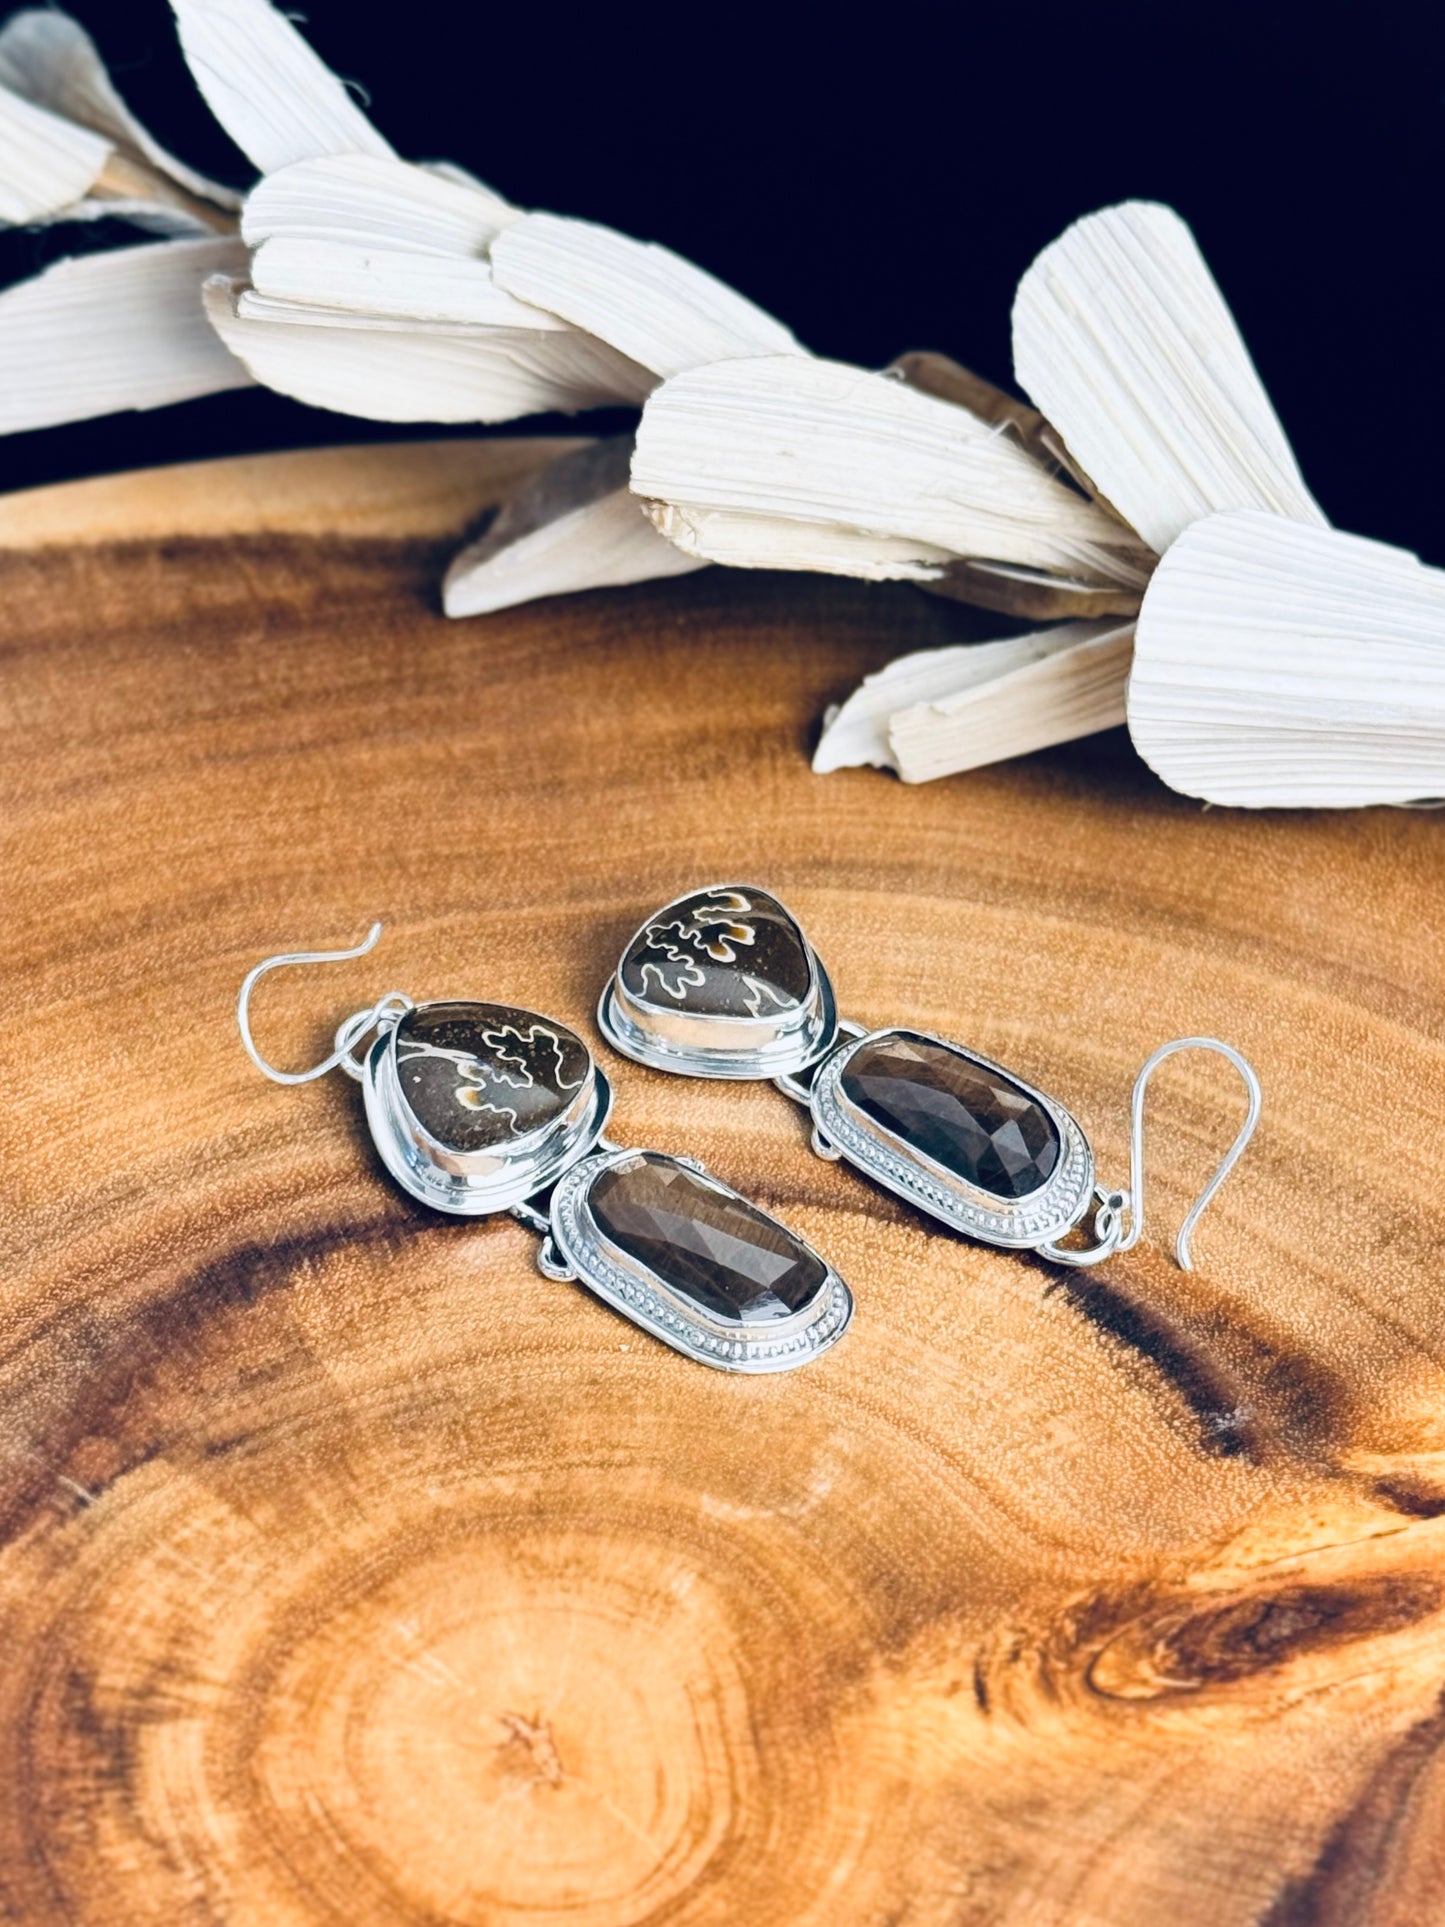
480	1108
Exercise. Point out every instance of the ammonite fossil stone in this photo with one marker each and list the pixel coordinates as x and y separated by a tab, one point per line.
729	1258
975	1122
719	953
480	1075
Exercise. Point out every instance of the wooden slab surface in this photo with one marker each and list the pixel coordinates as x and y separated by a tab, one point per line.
353	1572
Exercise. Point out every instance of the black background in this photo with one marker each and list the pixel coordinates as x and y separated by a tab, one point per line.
880	179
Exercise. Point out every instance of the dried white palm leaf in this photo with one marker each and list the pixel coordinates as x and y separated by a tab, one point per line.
251	306
372	200
745	541
275	97
1151	400
1123	339
794	445
576	525
940	375
71	149
1282	665
942	710
657	308
1033	594
391	370
112	331
370	291
46	164
954	709
449	344
364	279
1074	688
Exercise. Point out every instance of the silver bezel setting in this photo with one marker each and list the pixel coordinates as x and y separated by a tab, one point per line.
477	1183
1017	1224
641	1296
667	1038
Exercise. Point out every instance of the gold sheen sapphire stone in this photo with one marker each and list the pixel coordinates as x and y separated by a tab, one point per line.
975	1122
732	1261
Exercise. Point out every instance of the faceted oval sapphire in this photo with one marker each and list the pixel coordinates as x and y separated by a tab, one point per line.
974	1121
480	1075
733	1261
726	952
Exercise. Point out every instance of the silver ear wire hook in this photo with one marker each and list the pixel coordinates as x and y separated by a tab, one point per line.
1117	1209
350	1033
1227	1163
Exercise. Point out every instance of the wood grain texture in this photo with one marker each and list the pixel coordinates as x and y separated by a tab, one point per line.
350	1571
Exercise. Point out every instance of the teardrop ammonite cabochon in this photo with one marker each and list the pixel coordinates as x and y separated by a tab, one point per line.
474	1107
720	983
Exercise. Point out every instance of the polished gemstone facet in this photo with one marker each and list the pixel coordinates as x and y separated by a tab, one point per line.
480	1075
973	1121
719	953
732	1260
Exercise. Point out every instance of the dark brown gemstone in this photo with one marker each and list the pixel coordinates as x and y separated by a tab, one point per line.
479	1075
973	1121
719	953
731	1259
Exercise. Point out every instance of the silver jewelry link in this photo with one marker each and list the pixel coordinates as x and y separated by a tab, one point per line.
1108	1227
549	1261
551	1264
385	1012
791	1083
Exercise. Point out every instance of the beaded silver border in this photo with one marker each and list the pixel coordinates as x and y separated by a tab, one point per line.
1017	1224
641	1296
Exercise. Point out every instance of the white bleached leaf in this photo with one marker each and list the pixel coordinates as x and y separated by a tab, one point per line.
254	306
398	372
46	163
939	711
274	96
795	444
50	60
1074	688
650	303
1123	339
373	200
113	331
384	281
743	541
574	526
1280	665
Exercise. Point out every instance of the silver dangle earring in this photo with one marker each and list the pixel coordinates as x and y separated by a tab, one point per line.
482	1108
723	983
